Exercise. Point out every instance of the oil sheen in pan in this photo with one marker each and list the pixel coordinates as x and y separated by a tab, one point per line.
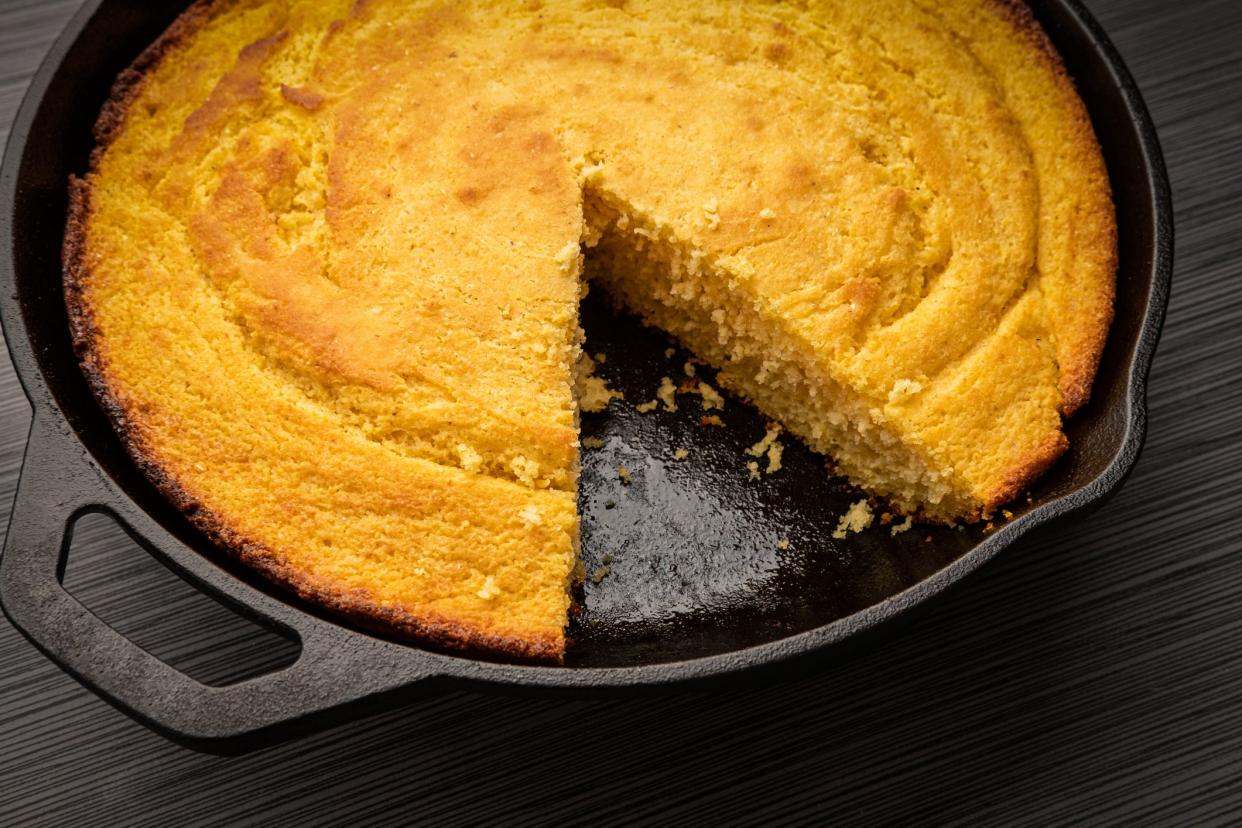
687	553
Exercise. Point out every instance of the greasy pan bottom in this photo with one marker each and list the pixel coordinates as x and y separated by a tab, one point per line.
697	586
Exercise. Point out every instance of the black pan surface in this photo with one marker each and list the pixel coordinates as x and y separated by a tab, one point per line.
699	583
700	557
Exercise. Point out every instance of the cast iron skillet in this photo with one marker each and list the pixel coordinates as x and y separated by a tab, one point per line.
699	583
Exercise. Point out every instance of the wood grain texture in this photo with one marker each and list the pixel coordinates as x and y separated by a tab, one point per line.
1092	674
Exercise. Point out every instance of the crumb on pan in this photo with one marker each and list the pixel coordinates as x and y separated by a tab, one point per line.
710	396
667	394
592	391
857	518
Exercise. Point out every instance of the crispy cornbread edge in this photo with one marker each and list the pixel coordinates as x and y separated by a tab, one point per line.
1077	372
352	604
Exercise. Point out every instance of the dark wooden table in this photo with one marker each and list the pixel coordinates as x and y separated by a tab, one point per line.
1092	674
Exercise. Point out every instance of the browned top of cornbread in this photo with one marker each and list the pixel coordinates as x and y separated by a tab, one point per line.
324	268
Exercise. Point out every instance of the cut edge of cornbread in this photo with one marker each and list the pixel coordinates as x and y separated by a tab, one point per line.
677	289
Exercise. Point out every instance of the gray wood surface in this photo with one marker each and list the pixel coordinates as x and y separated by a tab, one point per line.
1093	674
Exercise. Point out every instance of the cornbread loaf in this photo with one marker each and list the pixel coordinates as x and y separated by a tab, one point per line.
324	270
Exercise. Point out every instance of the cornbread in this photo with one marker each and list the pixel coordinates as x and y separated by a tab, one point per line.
857	518
324	270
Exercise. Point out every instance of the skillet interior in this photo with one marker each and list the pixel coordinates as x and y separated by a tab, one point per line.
693	545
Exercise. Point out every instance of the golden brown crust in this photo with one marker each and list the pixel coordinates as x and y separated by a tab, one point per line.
355	605
1032	465
1078	372
124	92
1098	232
1078	366
129	83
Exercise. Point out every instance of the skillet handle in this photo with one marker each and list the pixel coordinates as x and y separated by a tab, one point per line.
335	669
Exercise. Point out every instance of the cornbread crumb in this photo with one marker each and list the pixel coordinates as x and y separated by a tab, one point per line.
667	394
593	392
681	454
857	518
904	526
774	456
489	590
470	459
594	395
711	420
525	469
668	352
709	213
688	368
903	388
753	468
782	544
623	473
600	573
647	407
1007	514
769	437
568	257
592	443
711	397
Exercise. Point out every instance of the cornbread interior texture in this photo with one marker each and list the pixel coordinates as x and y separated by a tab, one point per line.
325	269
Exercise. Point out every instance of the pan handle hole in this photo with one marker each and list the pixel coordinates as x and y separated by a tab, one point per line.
136	595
